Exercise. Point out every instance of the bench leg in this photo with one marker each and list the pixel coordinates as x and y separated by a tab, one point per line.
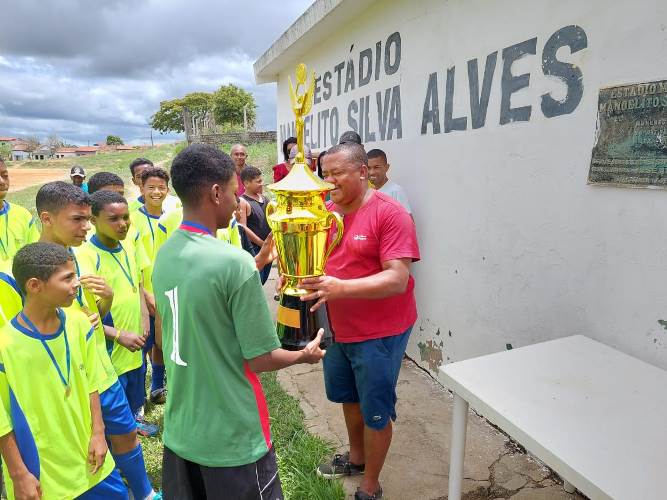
458	446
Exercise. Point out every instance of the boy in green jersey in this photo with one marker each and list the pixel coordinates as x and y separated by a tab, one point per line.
155	188
65	212
218	334
17	226
51	425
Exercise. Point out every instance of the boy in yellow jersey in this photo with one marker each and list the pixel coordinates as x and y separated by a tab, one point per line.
65	214
155	188
51	424
137	168
121	264
17	226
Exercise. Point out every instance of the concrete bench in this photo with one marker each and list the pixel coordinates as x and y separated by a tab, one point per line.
594	415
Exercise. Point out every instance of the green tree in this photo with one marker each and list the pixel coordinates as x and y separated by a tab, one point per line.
114	140
169	118
228	103
5	151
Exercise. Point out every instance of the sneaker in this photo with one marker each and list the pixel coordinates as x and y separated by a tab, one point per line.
156	496
340	466
159	396
362	495
146	429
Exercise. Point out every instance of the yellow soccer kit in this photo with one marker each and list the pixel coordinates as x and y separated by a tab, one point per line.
11	301
121	267
17	228
46	402
86	304
146	226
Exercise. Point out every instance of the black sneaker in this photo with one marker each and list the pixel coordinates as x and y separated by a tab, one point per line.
362	495
340	466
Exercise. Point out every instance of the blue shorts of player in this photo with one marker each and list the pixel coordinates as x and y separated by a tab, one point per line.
116	413
366	373
135	390
112	488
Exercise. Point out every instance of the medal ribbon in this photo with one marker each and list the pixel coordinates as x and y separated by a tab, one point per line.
148	218
129	269
35	331
79	292
5	244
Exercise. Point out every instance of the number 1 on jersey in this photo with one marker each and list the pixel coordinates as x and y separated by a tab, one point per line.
172	295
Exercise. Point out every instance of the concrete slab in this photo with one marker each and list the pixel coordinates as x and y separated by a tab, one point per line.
418	462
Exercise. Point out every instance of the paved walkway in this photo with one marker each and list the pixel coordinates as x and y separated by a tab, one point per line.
418	461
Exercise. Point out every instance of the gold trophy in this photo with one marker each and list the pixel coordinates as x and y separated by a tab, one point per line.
300	223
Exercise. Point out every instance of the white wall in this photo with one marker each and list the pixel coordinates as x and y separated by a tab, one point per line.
516	247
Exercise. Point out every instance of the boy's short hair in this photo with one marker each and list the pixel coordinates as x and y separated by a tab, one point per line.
197	167
154	172
350	137
250	173
139	161
103	179
377	153
54	196
103	198
38	260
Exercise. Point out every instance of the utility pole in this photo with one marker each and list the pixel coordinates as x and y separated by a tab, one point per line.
152	145
245	117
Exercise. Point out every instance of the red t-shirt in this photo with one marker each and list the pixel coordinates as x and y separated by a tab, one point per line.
241	188
279	171
379	231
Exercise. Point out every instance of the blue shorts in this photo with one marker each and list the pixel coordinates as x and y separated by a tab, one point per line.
150	341
116	413
366	373
111	488
135	390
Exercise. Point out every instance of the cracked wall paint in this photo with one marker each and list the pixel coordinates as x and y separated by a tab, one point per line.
431	354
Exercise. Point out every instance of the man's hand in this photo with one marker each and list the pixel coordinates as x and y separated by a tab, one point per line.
97	285
26	487
94	319
97	452
312	353
324	288
131	342
267	254
150	302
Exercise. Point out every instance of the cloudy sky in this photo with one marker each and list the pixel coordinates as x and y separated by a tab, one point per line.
83	69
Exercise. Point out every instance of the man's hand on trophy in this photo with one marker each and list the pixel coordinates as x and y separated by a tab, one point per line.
312	353
267	254
323	288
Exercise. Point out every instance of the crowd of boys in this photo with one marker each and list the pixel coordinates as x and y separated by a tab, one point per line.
86	300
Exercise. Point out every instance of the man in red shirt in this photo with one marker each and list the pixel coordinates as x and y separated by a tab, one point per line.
370	297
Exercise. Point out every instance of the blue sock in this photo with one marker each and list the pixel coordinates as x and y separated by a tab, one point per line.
157	379
132	467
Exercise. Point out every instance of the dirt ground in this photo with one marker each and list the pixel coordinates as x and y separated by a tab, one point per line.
21	178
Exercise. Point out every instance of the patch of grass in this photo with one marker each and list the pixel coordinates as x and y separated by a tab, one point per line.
299	452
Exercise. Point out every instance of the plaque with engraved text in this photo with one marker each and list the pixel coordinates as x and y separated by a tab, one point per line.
631	138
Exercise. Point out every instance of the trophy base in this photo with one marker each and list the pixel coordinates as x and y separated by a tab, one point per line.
297	326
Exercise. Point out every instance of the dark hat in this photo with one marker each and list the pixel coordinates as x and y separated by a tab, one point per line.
350	136
77	172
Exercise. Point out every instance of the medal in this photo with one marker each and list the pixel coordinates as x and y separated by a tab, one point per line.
36	333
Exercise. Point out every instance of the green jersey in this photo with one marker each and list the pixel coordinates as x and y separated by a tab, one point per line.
54	400
214	318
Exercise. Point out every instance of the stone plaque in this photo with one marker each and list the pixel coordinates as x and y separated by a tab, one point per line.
631	143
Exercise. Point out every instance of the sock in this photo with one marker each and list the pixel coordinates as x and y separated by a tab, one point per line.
157	378
132	467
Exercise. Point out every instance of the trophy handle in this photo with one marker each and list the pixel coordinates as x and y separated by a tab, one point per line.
271	208
334	216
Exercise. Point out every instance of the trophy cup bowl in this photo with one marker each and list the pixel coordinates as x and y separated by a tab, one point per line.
301	226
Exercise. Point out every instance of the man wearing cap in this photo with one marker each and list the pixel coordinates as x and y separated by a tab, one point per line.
78	176
350	136
371	304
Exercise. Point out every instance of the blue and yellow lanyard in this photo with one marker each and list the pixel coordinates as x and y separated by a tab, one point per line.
36	333
5	244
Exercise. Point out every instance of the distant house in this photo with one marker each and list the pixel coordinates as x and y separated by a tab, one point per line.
20	151
41	153
86	151
8	140
125	148
65	152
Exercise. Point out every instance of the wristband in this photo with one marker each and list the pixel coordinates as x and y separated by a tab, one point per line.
115	339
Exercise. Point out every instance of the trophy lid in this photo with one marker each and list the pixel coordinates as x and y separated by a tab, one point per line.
300	179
